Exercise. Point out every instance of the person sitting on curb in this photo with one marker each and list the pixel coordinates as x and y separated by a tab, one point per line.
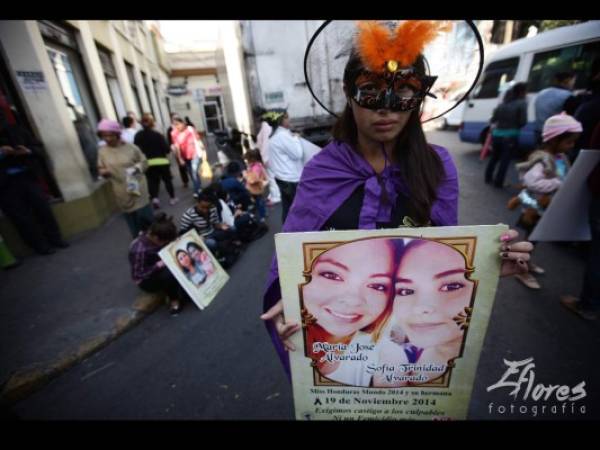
218	237
148	270
233	183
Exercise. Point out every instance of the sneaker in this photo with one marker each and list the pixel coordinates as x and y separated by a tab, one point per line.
156	203
528	280
572	304
173	201
536	269
175	307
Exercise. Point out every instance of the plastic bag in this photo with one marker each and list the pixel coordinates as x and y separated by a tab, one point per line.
132	181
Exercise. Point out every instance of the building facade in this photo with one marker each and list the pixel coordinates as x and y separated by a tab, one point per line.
59	79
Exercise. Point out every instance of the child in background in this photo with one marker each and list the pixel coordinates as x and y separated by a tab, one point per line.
256	181
542	175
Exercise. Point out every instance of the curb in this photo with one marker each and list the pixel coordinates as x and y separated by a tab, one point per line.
24	382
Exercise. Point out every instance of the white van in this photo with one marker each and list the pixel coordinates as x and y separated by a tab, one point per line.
535	61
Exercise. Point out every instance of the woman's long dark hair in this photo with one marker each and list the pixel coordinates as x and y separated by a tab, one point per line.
420	165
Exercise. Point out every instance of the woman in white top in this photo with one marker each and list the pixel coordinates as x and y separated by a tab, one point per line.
262	142
285	159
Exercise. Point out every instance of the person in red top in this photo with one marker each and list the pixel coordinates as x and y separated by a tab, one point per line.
189	148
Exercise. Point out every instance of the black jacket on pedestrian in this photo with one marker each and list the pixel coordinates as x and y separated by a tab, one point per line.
25	165
152	143
510	115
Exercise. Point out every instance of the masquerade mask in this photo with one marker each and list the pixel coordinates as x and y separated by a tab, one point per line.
402	90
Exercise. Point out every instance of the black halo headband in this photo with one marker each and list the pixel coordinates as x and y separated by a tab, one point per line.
464	97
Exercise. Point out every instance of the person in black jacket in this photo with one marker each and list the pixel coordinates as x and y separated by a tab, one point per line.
155	147
508	117
22	199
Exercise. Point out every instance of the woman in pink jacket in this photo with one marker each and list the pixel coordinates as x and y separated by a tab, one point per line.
189	148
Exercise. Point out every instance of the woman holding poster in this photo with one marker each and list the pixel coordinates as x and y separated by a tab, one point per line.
379	171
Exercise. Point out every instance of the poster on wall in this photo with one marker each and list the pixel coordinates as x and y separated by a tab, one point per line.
195	268
31	80
393	321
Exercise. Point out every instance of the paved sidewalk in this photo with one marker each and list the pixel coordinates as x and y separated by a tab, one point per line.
58	309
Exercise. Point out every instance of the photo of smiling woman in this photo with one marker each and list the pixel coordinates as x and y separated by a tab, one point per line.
199	255
346	304
193	271
431	306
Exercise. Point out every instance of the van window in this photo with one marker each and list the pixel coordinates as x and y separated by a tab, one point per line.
576	58
496	76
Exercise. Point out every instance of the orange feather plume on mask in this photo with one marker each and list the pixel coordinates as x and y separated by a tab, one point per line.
376	44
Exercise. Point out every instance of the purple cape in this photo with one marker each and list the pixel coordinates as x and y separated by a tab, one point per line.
328	179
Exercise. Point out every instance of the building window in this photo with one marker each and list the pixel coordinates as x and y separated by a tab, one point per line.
65	58
157	95
577	58
145	80
133	84
114	88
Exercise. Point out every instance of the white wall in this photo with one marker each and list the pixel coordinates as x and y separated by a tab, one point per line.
233	78
280	63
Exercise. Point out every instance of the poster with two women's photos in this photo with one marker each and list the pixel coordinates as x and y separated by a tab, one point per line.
195	268
393	321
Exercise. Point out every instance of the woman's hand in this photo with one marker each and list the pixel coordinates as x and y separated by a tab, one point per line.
285	330
514	255
103	172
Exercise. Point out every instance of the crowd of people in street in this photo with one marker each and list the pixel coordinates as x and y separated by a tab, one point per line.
228	213
565	124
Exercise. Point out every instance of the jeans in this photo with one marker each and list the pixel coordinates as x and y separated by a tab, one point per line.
192	169
590	294
288	192
139	220
261	209
504	149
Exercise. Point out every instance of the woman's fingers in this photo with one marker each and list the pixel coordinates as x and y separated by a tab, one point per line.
522	246
515	256
509	236
274	311
289	346
288	329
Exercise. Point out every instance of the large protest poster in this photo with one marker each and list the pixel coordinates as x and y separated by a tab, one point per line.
393	321
195	268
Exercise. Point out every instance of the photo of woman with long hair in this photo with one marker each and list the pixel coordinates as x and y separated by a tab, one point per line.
193	271
345	305
431	310
201	257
